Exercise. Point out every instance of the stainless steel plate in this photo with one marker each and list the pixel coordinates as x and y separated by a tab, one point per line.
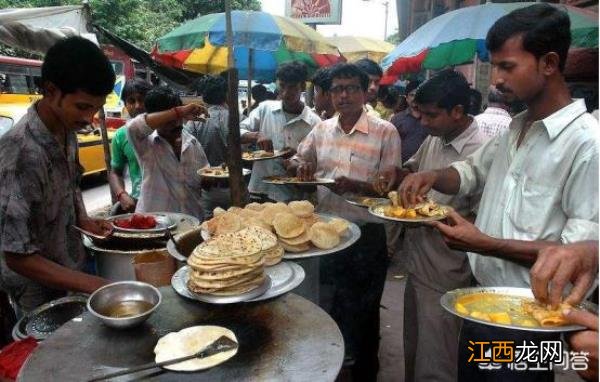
358	201
285	276
163	222
202	172
276	154
449	299
286	180
350	237
179	283
377	210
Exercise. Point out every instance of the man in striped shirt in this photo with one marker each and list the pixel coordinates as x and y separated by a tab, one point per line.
352	148
495	118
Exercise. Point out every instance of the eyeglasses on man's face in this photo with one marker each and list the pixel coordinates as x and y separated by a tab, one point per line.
349	89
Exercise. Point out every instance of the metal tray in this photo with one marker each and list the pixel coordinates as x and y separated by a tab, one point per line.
179	283
350	237
449	299
377	210
285	276
200	172
357	200
276	154
187	241
163	223
316	182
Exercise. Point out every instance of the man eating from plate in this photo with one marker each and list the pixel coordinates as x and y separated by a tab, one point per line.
539	180
277	125
435	269
41	254
351	148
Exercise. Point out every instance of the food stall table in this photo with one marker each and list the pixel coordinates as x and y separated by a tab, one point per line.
283	339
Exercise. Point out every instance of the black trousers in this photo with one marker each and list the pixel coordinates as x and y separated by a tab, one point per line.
354	280
469	371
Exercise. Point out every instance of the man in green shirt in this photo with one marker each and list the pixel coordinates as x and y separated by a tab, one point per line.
133	96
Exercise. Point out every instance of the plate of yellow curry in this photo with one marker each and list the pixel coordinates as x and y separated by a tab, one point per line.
512	308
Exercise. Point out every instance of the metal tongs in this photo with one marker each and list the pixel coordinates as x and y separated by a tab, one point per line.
222	344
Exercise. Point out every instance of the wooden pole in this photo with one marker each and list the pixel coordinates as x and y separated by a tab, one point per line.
250	75
234	152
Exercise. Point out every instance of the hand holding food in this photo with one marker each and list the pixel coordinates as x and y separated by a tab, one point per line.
414	187
305	172
585	341
556	266
264	143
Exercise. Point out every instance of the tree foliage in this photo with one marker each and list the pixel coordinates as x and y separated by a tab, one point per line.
139	21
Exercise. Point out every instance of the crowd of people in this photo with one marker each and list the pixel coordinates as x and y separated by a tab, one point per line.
523	188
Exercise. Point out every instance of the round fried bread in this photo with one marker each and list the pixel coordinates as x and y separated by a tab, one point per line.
294	248
288	225
267	238
323	236
298	240
339	225
227	223
223	283
302	208
254	207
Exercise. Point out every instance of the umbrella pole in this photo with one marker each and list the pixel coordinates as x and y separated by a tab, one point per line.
234	152
250	74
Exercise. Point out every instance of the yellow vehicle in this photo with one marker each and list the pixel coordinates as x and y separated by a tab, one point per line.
18	90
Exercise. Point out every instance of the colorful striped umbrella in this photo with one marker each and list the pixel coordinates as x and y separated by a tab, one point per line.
455	37
354	48
200	45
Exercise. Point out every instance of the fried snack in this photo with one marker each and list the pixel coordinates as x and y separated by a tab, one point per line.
288	225
302	208
323	236
295	248
303	238
227	223
339	225
274	255
218	211
254	206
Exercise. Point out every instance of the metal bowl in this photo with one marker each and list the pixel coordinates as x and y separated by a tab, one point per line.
106	298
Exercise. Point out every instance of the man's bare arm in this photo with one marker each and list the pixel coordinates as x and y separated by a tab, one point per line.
53	275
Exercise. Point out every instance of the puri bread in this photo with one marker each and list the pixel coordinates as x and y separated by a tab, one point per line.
302	208
288	225
323	236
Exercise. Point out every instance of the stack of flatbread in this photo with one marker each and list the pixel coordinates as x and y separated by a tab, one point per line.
296	226
232	263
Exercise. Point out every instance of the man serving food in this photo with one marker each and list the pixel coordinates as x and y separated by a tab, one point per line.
41	254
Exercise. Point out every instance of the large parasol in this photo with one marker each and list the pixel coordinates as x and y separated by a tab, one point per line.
456	37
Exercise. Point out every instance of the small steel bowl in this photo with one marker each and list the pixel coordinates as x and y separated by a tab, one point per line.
102	299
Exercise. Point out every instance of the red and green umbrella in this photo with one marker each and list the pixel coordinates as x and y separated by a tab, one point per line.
454	38
200	45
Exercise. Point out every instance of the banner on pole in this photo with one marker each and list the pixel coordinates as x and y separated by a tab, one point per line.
315	11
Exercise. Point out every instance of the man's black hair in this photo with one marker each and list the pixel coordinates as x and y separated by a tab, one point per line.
475	101
412	85
370	67
544	28
214	90
344	70
161	98
388	94
135	86
259	92
293	72
445	90
75	63
322	79
271	95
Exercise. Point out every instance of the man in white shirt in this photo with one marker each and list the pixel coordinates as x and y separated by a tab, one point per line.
169	156
278	125
539	181
495	118
430	332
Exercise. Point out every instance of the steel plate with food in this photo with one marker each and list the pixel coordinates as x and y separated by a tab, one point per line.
299	232
276	179
219	172
512	308
258	155
426	211
142	223
365	201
